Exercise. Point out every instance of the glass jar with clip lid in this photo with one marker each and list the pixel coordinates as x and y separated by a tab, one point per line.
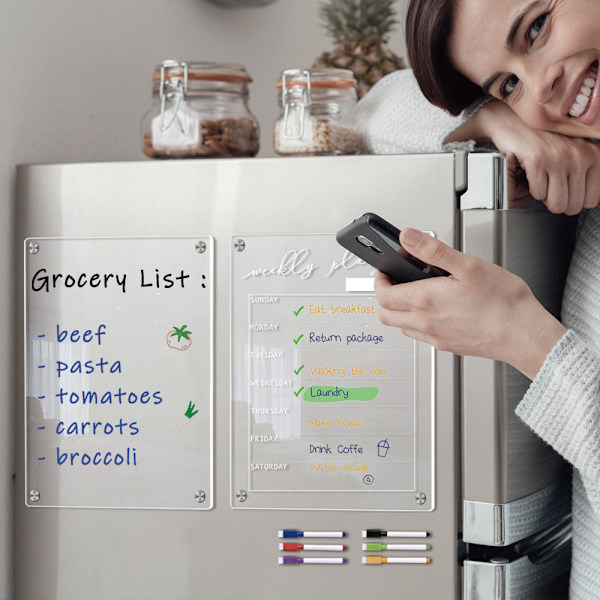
200	110
317	112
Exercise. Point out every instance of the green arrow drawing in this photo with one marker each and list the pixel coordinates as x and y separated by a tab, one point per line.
190	412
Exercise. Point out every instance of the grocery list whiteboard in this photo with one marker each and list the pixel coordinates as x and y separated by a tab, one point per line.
330	408
119	375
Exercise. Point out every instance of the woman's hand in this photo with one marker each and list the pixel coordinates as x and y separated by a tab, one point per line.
563	172
480	310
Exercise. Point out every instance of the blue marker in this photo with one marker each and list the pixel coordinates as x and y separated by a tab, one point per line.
294	533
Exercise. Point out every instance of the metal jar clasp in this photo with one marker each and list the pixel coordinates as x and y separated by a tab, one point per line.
294	103
174	96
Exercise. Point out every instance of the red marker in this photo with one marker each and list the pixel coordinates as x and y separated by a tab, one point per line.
291	547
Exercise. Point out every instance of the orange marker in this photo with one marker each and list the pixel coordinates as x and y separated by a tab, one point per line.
407	560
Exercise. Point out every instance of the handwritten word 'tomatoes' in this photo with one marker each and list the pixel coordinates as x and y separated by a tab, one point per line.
323	393
119	396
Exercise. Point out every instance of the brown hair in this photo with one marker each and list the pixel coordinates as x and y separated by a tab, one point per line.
428	26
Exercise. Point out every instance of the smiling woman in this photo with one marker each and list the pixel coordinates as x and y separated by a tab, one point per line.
521	74
540	57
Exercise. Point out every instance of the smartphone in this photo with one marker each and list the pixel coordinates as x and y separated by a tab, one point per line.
375	241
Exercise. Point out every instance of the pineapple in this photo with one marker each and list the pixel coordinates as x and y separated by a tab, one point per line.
360	29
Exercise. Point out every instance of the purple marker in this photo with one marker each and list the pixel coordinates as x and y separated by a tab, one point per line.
298	560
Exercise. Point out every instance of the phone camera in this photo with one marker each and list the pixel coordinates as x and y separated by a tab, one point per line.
368	243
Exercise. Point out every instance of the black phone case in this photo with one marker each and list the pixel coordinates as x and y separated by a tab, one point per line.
384	251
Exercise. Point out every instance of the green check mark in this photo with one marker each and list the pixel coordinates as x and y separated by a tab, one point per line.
298	392
298	339
297	312
299	369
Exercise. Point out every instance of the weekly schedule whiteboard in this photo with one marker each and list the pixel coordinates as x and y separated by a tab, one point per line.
119	372
331	409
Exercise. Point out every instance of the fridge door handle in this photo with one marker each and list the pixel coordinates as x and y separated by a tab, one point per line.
520	579
486	181
489	524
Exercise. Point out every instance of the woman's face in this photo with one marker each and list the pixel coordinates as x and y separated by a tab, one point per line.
538	56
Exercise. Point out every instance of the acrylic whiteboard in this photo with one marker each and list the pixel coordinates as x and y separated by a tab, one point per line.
119	375
330	409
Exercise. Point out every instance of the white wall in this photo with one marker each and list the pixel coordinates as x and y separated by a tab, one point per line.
75	82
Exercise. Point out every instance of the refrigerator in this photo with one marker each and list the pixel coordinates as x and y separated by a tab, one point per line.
212	409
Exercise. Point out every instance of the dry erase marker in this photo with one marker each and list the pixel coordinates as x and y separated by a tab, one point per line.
377	533
298	560
375	547
405	560
294	533
291	547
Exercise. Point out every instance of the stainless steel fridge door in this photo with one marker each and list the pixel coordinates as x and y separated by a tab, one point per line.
513	483
71	553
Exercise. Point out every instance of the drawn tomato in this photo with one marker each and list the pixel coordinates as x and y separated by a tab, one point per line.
179	338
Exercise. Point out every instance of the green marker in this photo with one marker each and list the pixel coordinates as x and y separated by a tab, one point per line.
374	547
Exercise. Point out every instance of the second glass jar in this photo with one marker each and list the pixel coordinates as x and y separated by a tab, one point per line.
317	113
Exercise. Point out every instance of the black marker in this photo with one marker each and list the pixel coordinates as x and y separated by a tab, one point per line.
378	533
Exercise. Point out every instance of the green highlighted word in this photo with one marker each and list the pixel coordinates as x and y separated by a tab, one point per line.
326	393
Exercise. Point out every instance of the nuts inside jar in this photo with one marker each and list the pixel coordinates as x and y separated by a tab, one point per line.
319	137
220	138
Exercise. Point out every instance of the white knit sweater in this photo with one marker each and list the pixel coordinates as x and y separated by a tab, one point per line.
562	404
